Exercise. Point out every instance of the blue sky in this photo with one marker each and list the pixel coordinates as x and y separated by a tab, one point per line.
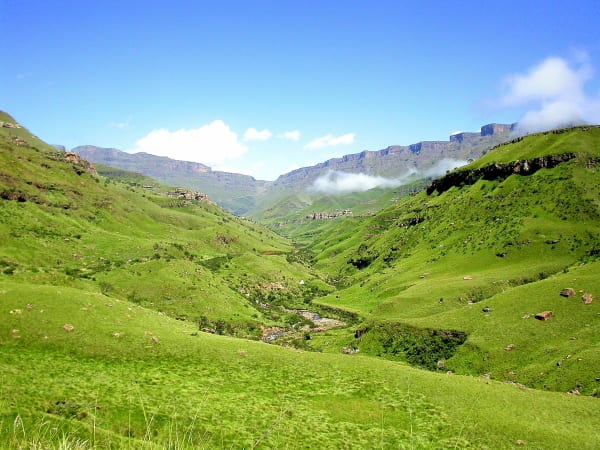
262	87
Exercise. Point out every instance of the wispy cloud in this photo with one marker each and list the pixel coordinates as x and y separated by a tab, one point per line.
336	182
553	92
330	141
213	143
120	125
252	134
291	135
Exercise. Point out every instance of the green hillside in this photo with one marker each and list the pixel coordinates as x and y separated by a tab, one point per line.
106	281
482	258
124	237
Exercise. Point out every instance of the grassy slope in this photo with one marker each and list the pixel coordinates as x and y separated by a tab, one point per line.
128	375
520	240
183	258
210	391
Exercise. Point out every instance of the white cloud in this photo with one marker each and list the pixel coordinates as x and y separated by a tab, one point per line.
441	167
213	143
291	135
336	182
553	93
330	141
252	134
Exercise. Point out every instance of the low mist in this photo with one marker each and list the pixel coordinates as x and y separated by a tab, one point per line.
336	182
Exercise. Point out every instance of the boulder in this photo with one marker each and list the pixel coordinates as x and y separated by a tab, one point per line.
568	292
587	298
545	315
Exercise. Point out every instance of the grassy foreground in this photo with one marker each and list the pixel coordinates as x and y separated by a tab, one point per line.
157	383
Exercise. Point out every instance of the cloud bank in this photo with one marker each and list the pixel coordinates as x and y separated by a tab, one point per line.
337	182
553	93
330	141
214	143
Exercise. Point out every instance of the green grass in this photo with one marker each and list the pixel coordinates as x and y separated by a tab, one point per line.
94	272
207	391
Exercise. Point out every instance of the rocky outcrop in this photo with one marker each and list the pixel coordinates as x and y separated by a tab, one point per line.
80	165
9	125
460	137
568	292
185	194
325	216
497	171
494	128
544	315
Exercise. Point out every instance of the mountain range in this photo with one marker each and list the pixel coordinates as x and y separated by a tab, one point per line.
246	196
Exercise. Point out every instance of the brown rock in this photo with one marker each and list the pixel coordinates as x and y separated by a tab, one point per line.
509	347
545	315
587	298
568	292
69	327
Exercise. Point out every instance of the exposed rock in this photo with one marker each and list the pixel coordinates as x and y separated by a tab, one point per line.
467	277
325	215
497	171
487	309
494	128
509	347
208	330
79	164
349	351
185	194
9	125
568	292
68	327
441	364
587	298
459	137
545	315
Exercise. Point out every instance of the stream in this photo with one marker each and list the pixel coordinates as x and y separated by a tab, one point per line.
270	334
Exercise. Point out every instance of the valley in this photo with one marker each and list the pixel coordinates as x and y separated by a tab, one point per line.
458	310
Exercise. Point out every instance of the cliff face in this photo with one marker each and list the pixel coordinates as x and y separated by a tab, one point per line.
497	171
396	160
495	128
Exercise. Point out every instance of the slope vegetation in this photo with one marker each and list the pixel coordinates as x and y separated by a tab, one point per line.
95	273
479	254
